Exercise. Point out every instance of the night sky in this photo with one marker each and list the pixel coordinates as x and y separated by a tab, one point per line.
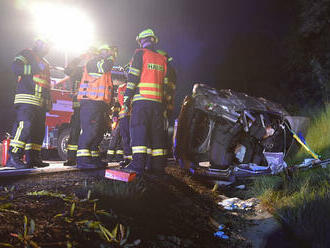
219	42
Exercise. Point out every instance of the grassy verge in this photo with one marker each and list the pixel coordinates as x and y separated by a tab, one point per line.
302	203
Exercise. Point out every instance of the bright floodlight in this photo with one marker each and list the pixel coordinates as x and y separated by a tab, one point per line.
68	28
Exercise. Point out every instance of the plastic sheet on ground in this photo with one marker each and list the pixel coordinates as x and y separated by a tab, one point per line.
238	204
275	161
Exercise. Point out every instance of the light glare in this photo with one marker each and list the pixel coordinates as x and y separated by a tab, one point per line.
67	27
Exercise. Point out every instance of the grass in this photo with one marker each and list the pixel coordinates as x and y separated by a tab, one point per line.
318	135
302	203
120	190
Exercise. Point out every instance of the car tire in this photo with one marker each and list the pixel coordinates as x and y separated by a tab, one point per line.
62	143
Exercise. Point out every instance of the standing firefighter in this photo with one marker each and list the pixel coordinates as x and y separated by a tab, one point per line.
32	101
168	98
75	71
95	95
145	92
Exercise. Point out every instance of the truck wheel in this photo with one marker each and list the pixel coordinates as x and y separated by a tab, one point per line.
63	143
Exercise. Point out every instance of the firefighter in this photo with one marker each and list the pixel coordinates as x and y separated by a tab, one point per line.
115	151
95	96
168	97
32	101
124	127
145	92
75	70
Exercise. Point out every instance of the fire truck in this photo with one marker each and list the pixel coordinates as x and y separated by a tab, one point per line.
58	119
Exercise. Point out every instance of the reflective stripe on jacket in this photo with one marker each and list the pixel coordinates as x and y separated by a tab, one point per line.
33	84
152	77
95	86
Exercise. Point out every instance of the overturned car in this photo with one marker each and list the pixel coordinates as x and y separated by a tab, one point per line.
236	133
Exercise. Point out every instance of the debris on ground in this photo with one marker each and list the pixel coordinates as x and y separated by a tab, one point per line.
275	161
220	233
238	204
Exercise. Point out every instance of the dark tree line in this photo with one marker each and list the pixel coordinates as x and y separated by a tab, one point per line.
292	68
309	52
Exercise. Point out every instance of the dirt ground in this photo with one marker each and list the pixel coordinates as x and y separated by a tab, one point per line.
175	210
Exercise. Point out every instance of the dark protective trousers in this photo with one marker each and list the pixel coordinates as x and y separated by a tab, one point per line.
147	131
125	135
92	120
28	131
74	134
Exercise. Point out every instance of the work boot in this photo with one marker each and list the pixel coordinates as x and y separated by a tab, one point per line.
86	163
118	158
132	167
38	163
110	158
17	162
72	158
70	163
99	162
158	165
33	159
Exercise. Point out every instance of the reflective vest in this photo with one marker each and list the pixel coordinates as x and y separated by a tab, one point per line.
154	69
41	92
97	87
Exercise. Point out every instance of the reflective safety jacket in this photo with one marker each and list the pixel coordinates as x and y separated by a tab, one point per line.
75	71
150	77
33	77
96	83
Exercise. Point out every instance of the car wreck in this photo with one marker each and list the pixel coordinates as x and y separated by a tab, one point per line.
238	135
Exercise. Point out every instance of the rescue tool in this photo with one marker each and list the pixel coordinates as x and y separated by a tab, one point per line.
120	174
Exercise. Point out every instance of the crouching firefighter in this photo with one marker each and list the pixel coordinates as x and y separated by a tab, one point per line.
115	151
124	118
145	93
95	96
32	101
75	70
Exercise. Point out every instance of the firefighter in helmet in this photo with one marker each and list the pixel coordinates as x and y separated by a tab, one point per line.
95	96
75	70
124	118
32	101
144	94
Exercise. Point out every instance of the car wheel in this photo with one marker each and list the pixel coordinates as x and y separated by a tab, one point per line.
63	143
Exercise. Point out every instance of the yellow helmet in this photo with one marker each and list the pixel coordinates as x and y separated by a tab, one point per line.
104	47
147	33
